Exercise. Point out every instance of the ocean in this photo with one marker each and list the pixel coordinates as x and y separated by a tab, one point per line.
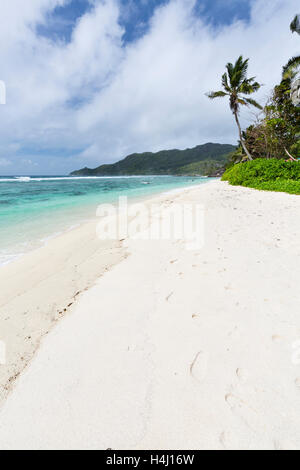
34	209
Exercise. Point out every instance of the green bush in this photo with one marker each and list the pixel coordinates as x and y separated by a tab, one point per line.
271	175
284	186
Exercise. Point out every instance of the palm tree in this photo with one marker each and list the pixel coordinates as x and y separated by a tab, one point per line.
236	84
289	70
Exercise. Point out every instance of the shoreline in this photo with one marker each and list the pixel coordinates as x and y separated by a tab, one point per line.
41	287
177	349
31	299
42	240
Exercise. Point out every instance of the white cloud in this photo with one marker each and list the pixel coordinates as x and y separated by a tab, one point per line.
4	162
98	100
28	162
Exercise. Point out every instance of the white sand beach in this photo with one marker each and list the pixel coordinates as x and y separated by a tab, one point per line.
38	289
170	348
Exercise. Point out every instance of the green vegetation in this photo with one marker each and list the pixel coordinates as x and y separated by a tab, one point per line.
203	168
276	130
237	87
291	67
272	142
294	62
295	24
259	160
269	175
201	160
275	133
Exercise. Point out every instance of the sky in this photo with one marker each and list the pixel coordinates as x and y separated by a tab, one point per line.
91	81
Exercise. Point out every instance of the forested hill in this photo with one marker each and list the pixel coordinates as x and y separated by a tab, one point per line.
201	160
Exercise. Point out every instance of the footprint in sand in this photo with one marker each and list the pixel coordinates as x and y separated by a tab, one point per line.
199	366
245	412
232	401
241	374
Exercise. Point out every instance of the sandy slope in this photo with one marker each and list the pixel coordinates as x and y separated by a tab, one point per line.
178	349
41	287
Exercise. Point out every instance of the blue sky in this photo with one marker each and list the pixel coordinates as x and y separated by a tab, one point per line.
91	81
136	15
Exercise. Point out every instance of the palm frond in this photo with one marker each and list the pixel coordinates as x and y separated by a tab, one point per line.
240	71
295	25
216	94
254	103
248	88
288	80
290	67
230	70
256	86
241	63
225	83
244	68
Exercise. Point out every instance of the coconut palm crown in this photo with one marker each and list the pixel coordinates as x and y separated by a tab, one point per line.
238	87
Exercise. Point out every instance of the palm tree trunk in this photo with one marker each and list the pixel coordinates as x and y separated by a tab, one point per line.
241	137
288	153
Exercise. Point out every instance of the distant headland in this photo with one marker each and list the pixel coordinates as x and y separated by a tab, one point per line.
204	160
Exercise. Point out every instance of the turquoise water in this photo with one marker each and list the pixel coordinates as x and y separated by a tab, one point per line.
34	209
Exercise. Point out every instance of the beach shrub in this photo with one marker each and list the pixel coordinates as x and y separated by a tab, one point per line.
270	175
283	186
